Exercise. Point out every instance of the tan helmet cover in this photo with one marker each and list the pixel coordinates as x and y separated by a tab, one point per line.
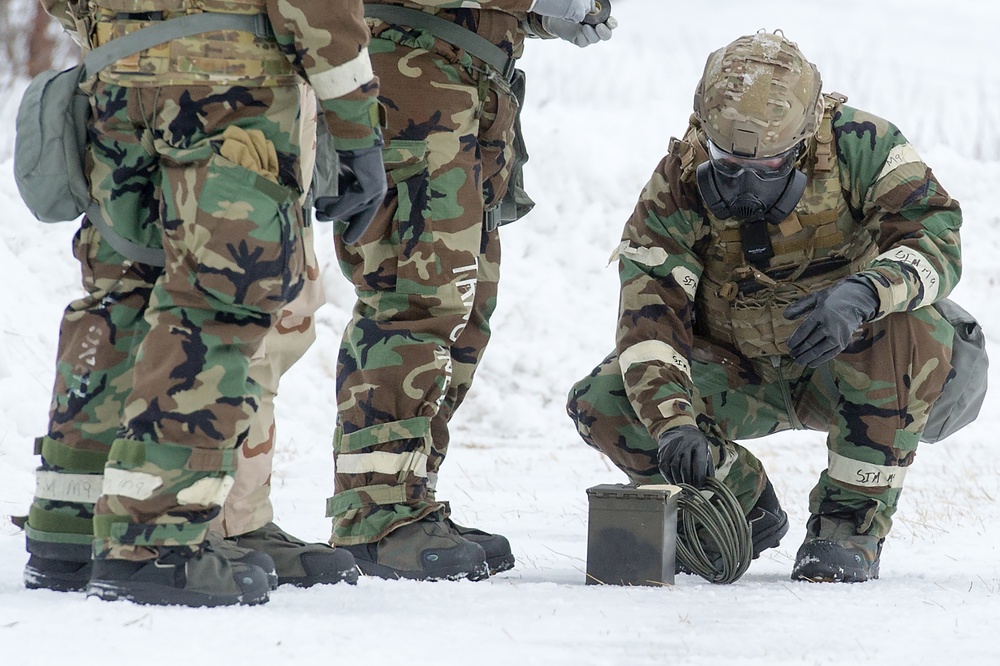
759	96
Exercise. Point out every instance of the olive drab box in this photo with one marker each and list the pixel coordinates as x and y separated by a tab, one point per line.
51	135
632	534
964	393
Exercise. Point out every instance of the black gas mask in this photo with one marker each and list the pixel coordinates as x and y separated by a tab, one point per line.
756	191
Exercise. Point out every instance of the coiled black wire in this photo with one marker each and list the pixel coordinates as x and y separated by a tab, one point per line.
713	535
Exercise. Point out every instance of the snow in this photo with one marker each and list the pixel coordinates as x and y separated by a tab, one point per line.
597	122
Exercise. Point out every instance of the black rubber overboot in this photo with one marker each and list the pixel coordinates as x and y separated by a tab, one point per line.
496	546
768	522
299	563
62	567
180	577
424	550
834	551
825	561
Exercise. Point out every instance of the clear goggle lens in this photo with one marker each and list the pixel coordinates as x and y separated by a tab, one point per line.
765	168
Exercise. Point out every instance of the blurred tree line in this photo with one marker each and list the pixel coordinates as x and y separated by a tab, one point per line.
32	41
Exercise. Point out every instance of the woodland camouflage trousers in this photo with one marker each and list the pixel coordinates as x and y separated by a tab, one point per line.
425	274
152	395
872	400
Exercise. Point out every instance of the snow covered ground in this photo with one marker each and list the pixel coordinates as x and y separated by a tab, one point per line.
597	121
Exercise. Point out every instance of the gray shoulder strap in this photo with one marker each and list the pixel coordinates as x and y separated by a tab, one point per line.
454	34
151	256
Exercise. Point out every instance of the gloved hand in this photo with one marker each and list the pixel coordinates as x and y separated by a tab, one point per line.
683	456
362	186
578	33
572	10
835	314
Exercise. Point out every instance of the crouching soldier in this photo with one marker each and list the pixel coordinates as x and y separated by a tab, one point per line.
779	272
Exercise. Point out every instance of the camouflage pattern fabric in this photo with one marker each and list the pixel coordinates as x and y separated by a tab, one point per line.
163	353
425	274
872	416
497	21
873	399
248	506
321	42
152	396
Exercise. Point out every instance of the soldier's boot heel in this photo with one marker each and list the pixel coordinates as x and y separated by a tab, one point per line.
299	563
499	556
42	573
57	566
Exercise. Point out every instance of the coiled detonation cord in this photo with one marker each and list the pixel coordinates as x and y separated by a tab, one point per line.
713	535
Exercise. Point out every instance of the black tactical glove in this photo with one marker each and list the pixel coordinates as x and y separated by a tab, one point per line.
835	314
362	186
683	456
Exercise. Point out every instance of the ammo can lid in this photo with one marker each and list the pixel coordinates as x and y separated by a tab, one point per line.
653	491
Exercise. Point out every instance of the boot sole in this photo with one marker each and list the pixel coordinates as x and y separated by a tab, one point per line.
833	574
149	594
456	573
350	577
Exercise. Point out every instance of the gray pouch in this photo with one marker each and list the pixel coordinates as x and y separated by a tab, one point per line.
964	393
51	136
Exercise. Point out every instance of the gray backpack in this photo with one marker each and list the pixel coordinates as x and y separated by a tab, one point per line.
51	134
51	125
964	393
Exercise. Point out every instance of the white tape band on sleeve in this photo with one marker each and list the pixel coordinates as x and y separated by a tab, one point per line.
926	273
654	350
898	156
342	79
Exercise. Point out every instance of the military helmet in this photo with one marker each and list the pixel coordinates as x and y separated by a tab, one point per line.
759	96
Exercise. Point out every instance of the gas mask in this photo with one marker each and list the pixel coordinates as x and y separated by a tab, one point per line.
751	189
757	191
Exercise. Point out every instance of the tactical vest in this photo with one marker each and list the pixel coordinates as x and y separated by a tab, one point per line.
818	244
225	57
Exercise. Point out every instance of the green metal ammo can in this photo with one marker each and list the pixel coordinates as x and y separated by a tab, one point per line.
632	535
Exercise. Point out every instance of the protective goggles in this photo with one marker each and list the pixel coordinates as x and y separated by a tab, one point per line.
765	168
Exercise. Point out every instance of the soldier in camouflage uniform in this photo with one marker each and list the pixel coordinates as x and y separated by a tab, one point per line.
246	519
426	274
778	273
194	149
